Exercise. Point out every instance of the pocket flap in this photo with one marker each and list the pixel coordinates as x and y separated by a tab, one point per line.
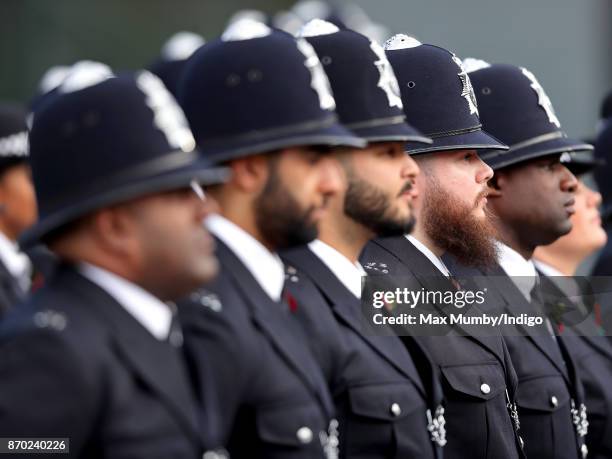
289	425
387	402
548	393
483	381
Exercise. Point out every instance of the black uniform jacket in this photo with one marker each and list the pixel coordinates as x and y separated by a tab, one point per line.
381	398
548	381
262	393
477	376
74	363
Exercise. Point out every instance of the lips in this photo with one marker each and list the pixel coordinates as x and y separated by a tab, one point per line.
409	190
569	206
206	242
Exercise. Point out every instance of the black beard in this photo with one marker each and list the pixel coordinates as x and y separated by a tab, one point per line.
453	227
369	206
279	218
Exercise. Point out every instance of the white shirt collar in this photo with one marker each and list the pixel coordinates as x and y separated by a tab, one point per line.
522	272
152	313
265	266
347	272
438	263
567	284
547	269
17	263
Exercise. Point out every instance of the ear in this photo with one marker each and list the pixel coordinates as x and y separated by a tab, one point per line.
250	174
2	196
114	229
497	184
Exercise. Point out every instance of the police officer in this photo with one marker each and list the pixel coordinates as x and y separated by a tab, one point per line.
17	205
603	152
91	357
477	376
591	352
381	399
564	256
259	101
532	198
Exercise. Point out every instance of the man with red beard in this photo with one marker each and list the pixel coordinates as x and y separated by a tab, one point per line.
382	401
532	197
275	134
476	374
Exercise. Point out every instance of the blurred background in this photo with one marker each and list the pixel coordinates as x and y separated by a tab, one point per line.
566	43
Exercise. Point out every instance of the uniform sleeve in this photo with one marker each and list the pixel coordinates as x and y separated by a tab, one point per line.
43	392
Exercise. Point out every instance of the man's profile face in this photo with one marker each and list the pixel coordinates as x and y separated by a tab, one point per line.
538	196
295	196
461	174
451	206
175	251
381	188
18	200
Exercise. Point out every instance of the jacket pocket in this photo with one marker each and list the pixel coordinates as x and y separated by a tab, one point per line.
546	393
483	381
385	402
297	426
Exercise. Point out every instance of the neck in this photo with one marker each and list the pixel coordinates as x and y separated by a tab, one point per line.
421	235
7	231
513	240
240	212
563	262
344	234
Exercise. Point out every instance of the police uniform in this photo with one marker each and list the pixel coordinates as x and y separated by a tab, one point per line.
275	399
389	400
381	399
591	352
269	398
477	377
15	266
549	384
603	152
83	359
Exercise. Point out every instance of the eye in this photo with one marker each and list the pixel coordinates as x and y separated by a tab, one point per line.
390	152
313	159
550	166
469	156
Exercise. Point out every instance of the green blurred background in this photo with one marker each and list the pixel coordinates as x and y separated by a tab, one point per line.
567	44
126	34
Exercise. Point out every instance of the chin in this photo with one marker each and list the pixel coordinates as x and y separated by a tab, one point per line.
564	228
599	237
206	272
479	213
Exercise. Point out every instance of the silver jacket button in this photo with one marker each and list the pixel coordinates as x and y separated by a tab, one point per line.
396	410
554	401
485	388
221	454
304	435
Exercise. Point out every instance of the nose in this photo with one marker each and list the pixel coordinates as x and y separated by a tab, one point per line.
331	176
410	168
593	197
484	173
569	182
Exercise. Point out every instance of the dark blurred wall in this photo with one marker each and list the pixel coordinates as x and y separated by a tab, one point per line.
126	34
